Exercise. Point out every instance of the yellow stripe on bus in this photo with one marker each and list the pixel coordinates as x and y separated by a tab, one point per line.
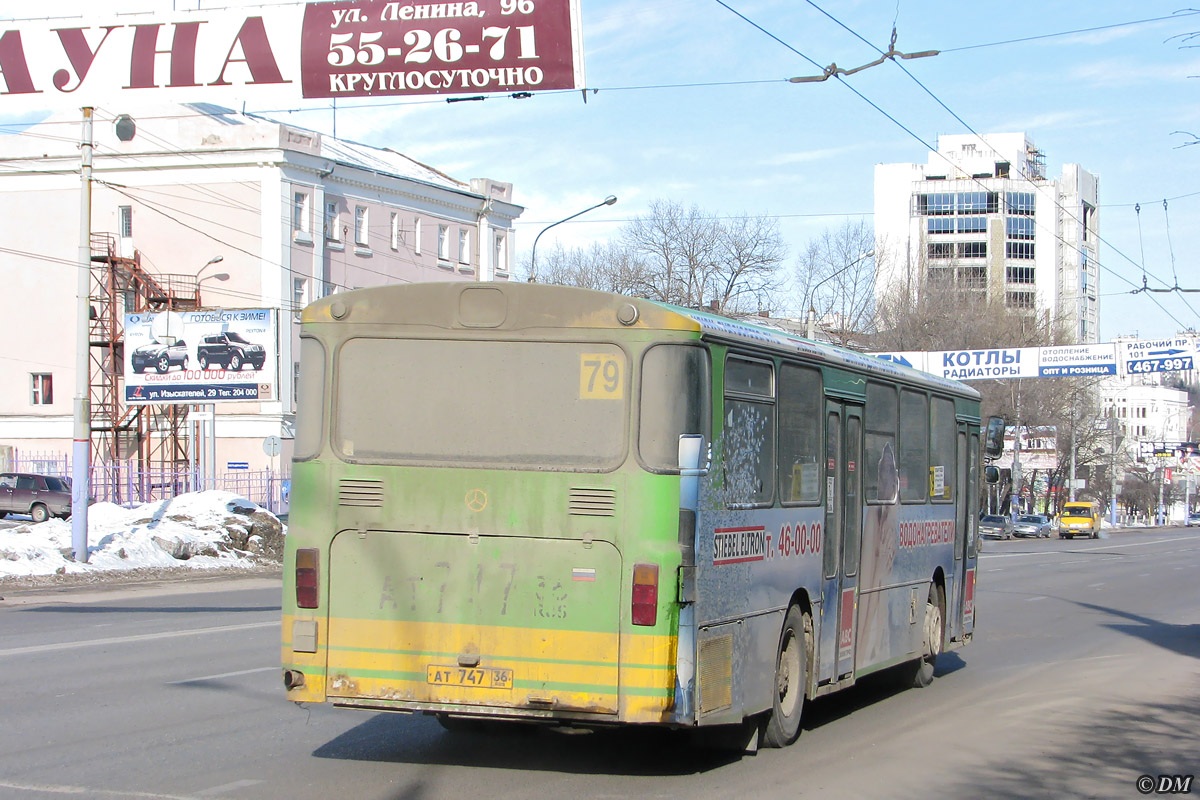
581	669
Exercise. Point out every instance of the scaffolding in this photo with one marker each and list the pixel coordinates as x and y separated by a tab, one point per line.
154	437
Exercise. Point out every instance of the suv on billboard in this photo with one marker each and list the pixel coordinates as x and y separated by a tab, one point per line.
230	351
160	356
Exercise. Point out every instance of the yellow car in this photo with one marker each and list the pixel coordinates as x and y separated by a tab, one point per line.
1079	519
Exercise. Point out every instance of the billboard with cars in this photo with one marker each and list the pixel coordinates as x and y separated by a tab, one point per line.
207	356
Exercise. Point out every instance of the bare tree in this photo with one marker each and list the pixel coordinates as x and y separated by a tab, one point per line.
682	256
749	254
835	276
680	248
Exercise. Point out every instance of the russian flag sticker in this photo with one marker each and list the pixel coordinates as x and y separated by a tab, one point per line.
582	574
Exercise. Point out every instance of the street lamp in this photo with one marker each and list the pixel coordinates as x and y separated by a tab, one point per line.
608	201
812	311
209	263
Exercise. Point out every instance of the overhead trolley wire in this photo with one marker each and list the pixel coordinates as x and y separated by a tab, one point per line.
926	144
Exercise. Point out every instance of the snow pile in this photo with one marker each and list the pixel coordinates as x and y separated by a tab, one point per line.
203	530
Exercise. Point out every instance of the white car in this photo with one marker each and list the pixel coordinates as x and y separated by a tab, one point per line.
1033	525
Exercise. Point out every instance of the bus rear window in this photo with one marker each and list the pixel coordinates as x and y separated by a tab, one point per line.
527	405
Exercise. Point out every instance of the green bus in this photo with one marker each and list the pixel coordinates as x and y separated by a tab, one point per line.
543	503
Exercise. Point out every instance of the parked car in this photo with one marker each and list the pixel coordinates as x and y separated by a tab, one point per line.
996	525
39	496
1192	519
230	351
1079	519
1033	525
160	356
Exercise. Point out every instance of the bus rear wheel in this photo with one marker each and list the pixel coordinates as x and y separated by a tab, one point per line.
919	673
791	677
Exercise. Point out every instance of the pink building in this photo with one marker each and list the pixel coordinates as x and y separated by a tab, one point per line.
200	192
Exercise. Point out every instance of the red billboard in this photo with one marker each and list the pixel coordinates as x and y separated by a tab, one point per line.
344	48
368	48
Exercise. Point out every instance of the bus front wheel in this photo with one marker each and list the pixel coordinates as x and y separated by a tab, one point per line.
791	677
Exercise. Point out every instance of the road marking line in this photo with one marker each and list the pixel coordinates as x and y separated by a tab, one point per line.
223	789
1094	585
1033	599
222	675
1089	550
89	791
144	637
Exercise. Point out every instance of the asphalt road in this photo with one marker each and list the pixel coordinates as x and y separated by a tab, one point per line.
1083	677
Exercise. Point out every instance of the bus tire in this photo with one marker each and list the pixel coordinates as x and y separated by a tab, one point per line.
791	679
919	673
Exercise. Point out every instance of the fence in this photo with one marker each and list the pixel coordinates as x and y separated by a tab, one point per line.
124	484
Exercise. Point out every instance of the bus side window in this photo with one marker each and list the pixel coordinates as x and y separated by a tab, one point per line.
943	452
881	471
914	446
800	468
748	447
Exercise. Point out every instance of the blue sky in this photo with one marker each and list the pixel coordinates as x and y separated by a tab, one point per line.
1107	99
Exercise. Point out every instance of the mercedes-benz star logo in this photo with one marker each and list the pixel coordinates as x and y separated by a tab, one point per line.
476	499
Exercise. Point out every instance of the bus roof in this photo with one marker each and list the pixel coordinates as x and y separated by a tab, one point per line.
520	306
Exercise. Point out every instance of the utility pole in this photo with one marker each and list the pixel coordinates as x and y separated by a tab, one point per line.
1071	494
81	451
1014	503
1112	472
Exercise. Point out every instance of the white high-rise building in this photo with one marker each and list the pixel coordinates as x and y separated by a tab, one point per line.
981	214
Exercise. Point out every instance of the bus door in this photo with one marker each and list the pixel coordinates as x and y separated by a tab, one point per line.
842	539
962	613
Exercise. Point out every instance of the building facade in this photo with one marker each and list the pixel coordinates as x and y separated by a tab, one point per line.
982	215
247	213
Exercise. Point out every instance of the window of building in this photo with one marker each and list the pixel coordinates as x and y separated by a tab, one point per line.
1002	169
939	203
332	225
978	202
1018	274
41	388
299	295
938	225
394	225
300	212
443	243
1022	300
972	249
464	246
125	221
1018	250
417	236
1089	213
972	224
940	276
1019	203
1019	227
499	252
974	277
940	250
360	226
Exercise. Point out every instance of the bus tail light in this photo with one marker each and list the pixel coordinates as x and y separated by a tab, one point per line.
308	581
645	594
